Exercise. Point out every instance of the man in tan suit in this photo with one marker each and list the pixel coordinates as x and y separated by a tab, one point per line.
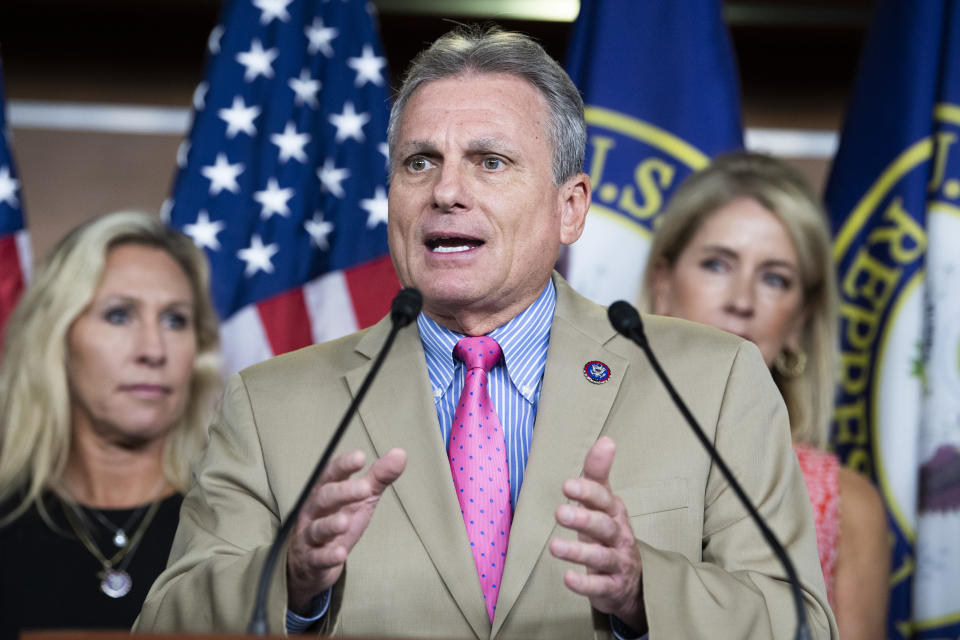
621	525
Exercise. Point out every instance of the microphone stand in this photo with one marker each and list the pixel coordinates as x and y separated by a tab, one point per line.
626	321
403	310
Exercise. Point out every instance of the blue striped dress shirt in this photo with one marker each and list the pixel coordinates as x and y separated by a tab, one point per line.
514	388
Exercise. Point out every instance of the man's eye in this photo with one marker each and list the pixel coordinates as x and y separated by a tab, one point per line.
492	164
418	164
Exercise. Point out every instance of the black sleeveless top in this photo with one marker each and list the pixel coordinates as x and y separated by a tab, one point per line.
48	578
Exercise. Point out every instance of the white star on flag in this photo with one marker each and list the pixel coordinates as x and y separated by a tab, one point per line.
204	231
320	37
165	208
8	187
319	229
305	88
376	207
183	152
223	175
291	143
200	96
213	40
257	256
258	62
273	200
368	67
283	146
271	10
349	124
331	177
239	117
384	148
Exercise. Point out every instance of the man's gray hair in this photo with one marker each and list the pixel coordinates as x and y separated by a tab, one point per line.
473	49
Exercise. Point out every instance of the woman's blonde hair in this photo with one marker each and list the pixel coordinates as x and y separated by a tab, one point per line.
809	395
35	430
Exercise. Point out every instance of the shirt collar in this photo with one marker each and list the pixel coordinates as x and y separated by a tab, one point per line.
524	341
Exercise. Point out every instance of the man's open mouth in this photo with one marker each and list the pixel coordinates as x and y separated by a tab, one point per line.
452	244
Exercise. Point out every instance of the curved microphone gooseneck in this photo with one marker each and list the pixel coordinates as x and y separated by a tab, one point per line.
626	321
403	310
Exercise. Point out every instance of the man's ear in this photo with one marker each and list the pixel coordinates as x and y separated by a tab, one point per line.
661	296
574	203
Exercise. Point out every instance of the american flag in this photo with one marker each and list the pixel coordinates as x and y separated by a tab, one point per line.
14	241
283	179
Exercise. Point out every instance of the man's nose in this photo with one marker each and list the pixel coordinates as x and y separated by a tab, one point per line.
450	191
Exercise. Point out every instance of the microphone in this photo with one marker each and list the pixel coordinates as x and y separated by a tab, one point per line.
405	306
626	321
403	310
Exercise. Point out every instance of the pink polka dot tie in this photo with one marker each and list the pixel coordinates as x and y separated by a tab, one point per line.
478	462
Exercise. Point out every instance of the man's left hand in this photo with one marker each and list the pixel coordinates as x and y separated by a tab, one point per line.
605	544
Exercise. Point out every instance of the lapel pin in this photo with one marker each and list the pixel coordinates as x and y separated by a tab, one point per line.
596	372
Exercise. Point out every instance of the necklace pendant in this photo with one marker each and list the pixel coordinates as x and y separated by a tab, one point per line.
120	539
115	583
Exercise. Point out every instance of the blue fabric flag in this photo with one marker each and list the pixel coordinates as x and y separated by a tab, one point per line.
14	242
894	200
283	178
659	82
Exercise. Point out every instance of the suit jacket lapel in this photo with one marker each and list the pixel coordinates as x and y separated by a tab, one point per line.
570	417
398	411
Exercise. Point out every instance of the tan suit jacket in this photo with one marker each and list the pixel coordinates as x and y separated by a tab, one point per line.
707	571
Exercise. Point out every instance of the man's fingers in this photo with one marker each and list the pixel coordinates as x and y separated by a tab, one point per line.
336	488
331	496
323	529
595	557
599	460
595	525
590	494
343	466
385	470
320	558
591	585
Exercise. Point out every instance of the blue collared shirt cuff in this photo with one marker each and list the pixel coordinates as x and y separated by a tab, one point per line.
319	606
623	632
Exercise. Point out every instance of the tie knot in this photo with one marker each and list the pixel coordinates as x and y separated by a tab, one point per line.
482	352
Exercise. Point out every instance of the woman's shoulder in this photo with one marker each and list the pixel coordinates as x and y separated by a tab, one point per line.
861	502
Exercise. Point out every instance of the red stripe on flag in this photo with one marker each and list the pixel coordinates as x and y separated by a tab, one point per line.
11	279
372	287
285	321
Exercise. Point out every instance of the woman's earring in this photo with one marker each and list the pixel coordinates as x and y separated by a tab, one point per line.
790	364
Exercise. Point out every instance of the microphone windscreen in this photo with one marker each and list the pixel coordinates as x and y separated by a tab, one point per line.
406	306
623	317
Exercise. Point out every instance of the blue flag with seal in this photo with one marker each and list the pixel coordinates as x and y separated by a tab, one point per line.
283	178
662	97
894	199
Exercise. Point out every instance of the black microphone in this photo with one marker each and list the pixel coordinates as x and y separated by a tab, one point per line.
626	321
405	307
403	311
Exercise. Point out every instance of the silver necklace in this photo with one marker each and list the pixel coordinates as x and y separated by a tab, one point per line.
115	582
119	533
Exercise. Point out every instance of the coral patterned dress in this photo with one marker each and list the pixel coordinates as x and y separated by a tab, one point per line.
820	473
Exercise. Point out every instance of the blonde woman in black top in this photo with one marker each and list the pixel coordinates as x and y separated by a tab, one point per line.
108	375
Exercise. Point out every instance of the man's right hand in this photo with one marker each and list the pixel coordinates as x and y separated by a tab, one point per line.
332	520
